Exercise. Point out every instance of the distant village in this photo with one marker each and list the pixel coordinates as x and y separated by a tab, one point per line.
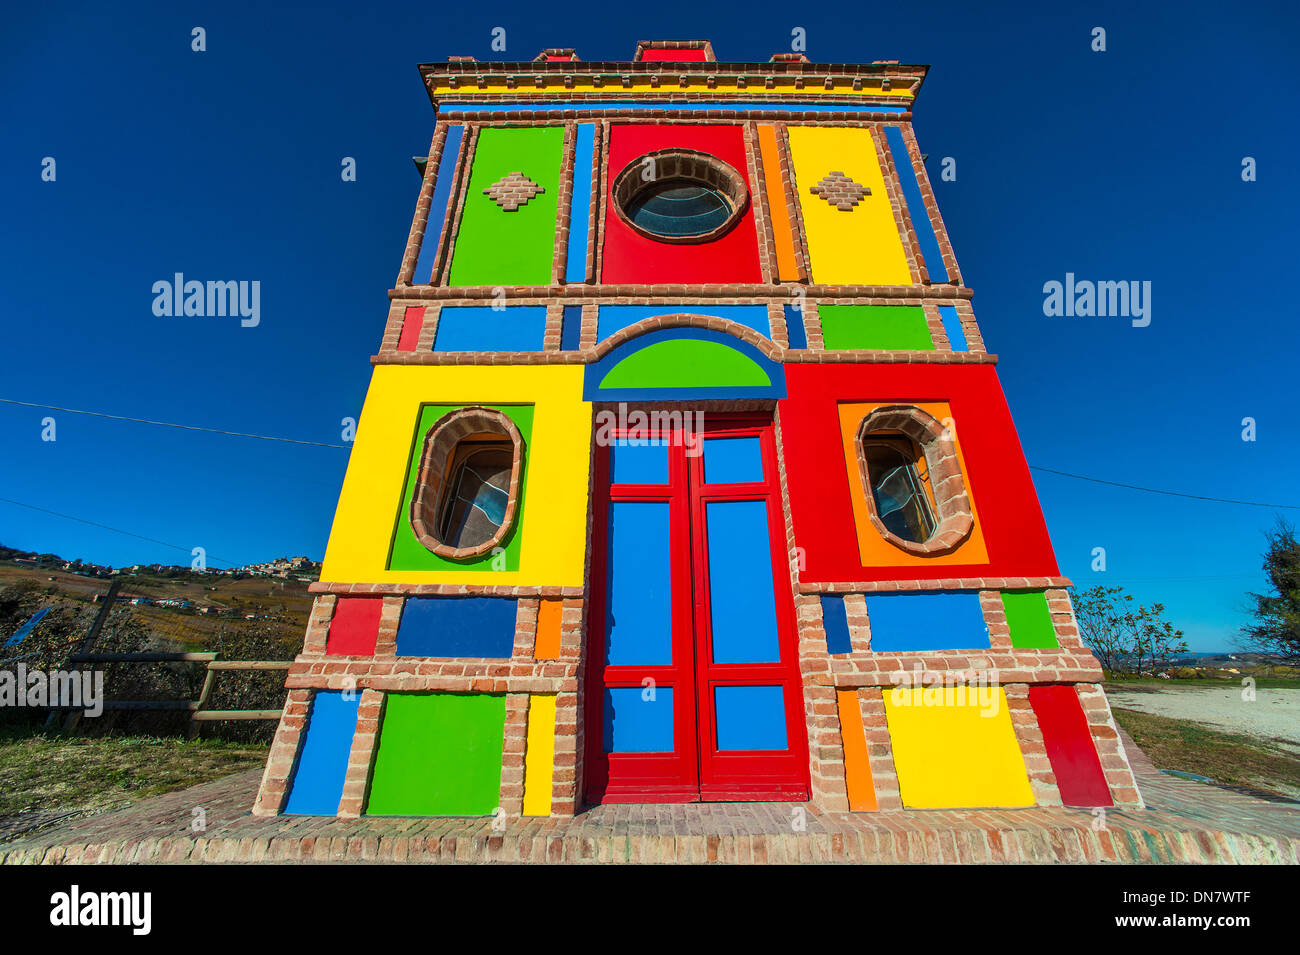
296	568
300	569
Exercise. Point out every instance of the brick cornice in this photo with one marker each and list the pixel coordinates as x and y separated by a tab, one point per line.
940	294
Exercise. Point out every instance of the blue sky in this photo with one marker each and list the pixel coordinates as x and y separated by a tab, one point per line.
1122	165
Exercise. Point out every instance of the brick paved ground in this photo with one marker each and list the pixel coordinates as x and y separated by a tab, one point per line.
1186	822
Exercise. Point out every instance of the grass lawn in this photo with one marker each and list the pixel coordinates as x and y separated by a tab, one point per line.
50	773
1224	757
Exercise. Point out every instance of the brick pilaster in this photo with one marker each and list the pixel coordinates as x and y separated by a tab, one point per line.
880	748
356	784
513	750
564	780
812	326
995	617
1105	736
776	321
1042	780
525	627
389	618
855	608
938	334
284	751
318	624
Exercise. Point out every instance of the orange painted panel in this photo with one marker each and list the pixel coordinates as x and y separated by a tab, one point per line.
874	550
547	645
787	267
857	765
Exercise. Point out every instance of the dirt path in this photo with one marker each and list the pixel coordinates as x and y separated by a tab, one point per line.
1273	714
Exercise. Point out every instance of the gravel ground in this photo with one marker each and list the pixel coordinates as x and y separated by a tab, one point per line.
1273	714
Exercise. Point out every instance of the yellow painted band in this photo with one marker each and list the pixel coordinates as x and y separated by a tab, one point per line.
539	760
953	755
552	553
857	246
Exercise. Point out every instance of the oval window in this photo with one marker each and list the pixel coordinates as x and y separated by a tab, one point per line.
478	493
900	486
467	491
679	209
916	494
680	195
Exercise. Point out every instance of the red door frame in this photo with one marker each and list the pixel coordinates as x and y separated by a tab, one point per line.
696	771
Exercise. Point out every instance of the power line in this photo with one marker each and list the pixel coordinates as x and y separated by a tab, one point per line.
168	424
1154	490
346	447
116	530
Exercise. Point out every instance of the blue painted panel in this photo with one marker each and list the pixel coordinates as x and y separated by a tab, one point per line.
926	621
584	145
742	606
639	627
615	317
317	784
794	327
925	234
21	633
571	328
776	106
447	167
952	328
732	460
457	627
480	328
750	717
639	462
835	620
636	725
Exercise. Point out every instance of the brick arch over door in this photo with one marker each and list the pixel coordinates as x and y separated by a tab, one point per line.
769	348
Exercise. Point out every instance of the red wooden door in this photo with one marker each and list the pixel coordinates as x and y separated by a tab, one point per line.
693	685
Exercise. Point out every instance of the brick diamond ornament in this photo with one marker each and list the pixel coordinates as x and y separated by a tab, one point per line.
512	191
840	191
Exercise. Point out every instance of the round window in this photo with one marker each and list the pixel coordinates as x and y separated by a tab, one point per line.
679	195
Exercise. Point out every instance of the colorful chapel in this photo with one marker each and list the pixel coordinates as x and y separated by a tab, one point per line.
684	474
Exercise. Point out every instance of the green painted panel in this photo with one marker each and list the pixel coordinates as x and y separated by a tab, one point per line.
496	247
896	327
406	552
439	754
1030	620
685	363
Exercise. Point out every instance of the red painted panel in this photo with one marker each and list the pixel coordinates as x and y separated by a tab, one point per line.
412	320
354	627
1069	746
998	477
673	56
629	257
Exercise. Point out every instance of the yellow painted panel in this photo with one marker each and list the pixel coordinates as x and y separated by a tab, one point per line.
555	515
860	246
540	758
951	754
873	549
